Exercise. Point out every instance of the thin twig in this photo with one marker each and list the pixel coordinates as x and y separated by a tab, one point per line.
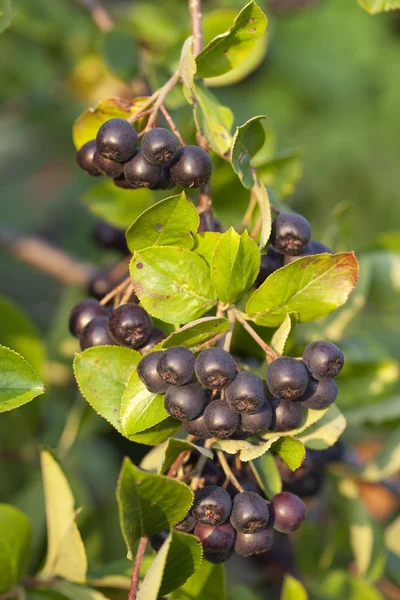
196	25
171	123
127	294
257	228
120	288
177	464
210	343
228	471
162	94
229	333
99	15
270	353
136	568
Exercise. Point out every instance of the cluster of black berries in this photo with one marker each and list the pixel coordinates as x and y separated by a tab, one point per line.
243	524
127	325
157	164
290	240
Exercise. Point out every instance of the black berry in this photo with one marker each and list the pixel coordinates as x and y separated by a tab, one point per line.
157	540
187	524
246	393
130	325
140	173
323	359
109	237
320	248
159	146
270	262
287	378
185	402
319	394
108	167
250	512
116	140
191	167
307	251
258	421
217	542
290	233
155	338
215	368
122	183
83	313
84	158
249	544
220	420
288	512
197	427
147	371
177	365
96	333
288	415
212	505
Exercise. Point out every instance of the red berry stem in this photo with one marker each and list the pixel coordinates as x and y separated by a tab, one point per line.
136	568
270	353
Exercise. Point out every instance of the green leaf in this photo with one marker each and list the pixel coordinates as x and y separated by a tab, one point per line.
310	288
235	265
267	474
310	417
280	337
19	383
77	592
208	583
291	451
173	284
377	6
15	537
227	50
102	374
387	462
338	585
378	413
247	141
246	450
140	409
5	14
281	173
326	431
261	195
158	433
66	556
187	65
293	590
39	593
149	588
197	332
120	53
171	222
212	118
149	503
392	536
174	449
242	592
117	206
205	244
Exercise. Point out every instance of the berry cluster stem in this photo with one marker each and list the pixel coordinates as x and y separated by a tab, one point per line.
161	95
172	124
228	471
270	353
136	568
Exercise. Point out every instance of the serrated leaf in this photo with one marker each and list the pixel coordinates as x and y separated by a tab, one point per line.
227	50
5	14
197	332
140	409
15	537
66	556
291	451
205	243
174	449
117	206
19	383
261	194
235	265
310	288
326	431
170	222
280	337
377	6
293	589
246	450
213	120
310	417
387	461
173	284
149	588
267	474
102	374
158	433
208	583
149	503
247	141
187	65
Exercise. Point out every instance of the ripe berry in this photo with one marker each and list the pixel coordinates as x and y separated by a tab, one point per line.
122	183
191	167
290	233
217	542
258	421
270	262
130	325
215	368
84	158
116	140
220	420
197	427
246	393
288	512
109	237
250	512
83	313
287	378
288	415
140	173
212	505
249	544
187	524
107	167
323	359
96	333
185	402
176	366
147	371
157	540
307	251
320	248
155	338
319	394
159	146
165	181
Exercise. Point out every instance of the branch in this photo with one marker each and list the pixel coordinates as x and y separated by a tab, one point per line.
196	25
271	354
161	95
177	464
99	15
228	471
136	568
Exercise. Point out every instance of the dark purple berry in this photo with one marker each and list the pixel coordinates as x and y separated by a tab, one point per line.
270	262
159	146
116	140
108	167
185	402
323	359
157	540
156	337
177	365
319	394
250	512
288	512
215	368
122	183
147	371
191	167
257	422
212	505
109	237
187	524
217	542
197	427
220	420
249	544
290	233
84	158
288	415
140	173
83	313
96	334
307	251
130	325
246	393
287	378
320	248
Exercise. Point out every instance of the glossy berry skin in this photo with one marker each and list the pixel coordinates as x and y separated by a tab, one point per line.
323	359
258	421
212	505
290	233
217	542
107	167
110	238
83	313
246	393
197	427
288	511
159	146
250	512
147	371
116	140
287	378
155	338
191	167
250	544
130	325
319	394
96	334
215	368
185	402
288	415
122	183
177	365
140	173
309	249
84	158
220	420
270	262
187	524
